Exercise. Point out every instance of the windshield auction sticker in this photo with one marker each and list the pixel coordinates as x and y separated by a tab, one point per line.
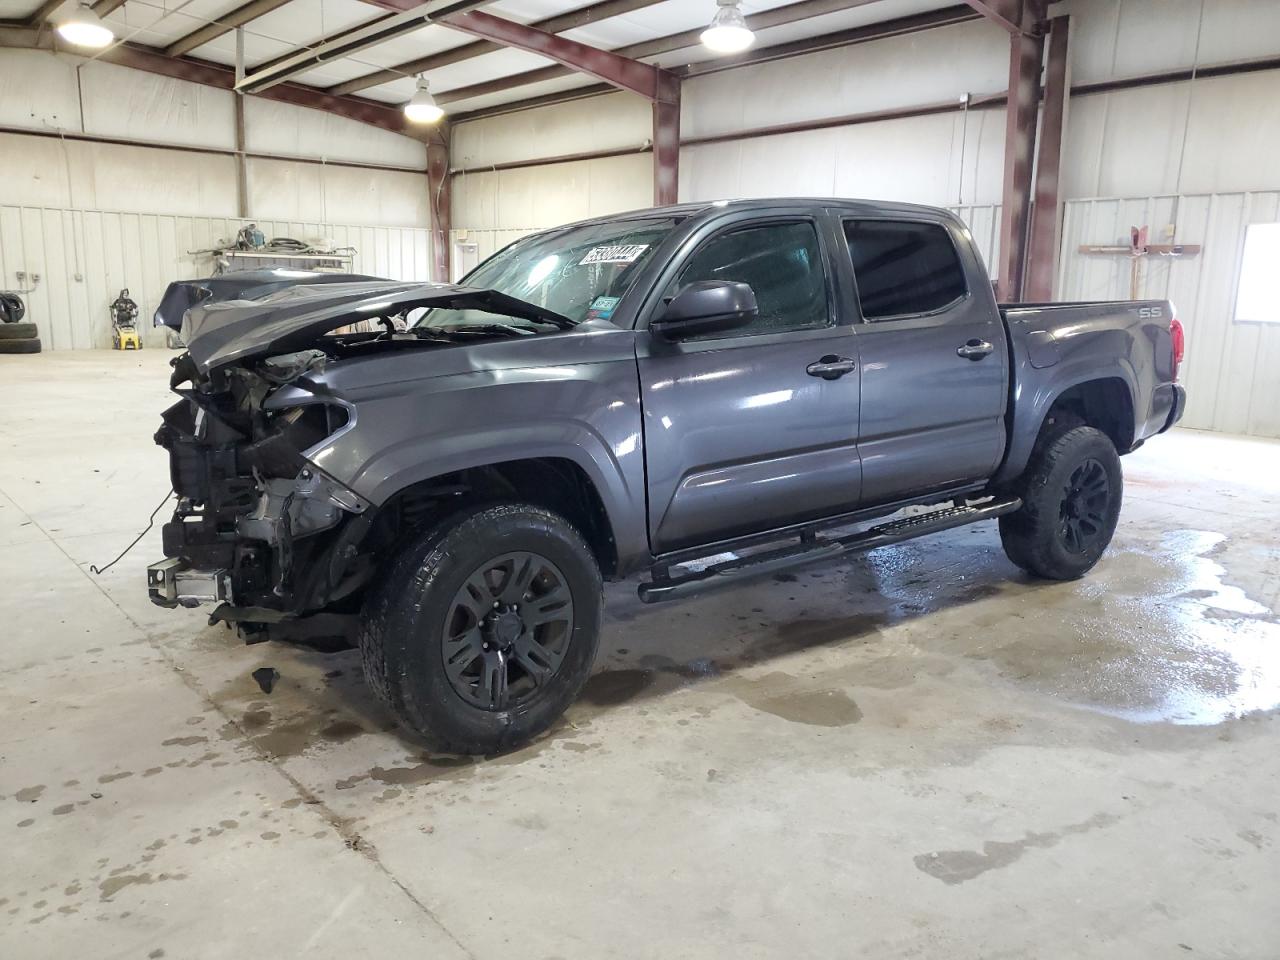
624	253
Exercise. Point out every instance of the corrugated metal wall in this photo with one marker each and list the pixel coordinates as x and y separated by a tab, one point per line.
84	258
1231	368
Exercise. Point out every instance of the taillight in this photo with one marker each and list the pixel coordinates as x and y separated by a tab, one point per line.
1179	344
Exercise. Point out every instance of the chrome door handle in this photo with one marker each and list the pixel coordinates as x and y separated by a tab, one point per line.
975	350
830	367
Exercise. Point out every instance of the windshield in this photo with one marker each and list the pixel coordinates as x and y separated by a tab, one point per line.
581	273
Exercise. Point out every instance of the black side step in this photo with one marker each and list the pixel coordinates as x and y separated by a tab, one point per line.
896	531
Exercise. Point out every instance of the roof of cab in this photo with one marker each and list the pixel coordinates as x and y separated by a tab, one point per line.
685	210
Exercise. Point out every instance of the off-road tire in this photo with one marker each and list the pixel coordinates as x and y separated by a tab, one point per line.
1035	537
29	345
18	331
401	630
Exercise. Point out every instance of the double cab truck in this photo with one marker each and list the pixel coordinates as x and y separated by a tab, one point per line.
686	395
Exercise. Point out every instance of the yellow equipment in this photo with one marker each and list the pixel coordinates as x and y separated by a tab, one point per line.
124	323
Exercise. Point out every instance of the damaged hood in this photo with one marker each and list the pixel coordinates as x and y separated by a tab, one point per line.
182	295
284	319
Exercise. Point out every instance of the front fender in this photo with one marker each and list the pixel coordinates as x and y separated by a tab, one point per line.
409	431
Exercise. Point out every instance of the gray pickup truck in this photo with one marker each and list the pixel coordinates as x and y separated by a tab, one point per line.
697	393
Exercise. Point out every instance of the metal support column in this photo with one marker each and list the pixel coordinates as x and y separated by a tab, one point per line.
1046	213
440	213
1025	53
666	141
242	166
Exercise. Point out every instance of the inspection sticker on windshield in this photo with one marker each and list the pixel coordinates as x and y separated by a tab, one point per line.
621	253
602	308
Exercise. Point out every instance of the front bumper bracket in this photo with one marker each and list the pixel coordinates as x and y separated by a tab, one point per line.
171	583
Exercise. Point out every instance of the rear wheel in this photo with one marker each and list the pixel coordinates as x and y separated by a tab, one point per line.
485	628
1071	494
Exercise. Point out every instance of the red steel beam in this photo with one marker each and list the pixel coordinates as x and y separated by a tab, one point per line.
666	141
1025	53
757	21
44	12
1042	249
581	17
1006	13
621	72
371	112
439	209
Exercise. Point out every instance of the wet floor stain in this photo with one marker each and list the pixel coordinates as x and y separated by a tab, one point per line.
959	866
613	687
1151	636
797	701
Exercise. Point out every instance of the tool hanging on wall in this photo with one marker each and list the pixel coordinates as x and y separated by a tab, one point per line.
124	323
1137	250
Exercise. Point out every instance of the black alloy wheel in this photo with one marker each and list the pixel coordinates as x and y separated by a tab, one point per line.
507	630
1083	513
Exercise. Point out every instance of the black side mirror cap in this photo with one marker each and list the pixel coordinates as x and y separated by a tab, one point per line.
707	306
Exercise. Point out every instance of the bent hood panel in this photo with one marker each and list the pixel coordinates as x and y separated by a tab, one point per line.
181	295
221	332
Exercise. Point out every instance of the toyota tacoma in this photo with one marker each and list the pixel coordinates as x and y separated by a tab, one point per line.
690	395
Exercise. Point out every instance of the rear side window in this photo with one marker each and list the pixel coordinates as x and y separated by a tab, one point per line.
903	268
782	262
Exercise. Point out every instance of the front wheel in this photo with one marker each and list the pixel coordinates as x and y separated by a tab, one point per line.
1071	494
485	628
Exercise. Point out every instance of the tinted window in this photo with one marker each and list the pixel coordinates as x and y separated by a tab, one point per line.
903	268
783	264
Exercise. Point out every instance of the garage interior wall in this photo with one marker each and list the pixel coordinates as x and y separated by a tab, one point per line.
84	258
1209	141
91	216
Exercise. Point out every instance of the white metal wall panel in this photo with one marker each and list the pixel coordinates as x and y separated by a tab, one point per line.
614	122
917	159
84	258
928	67
1230	371
530	198
288	130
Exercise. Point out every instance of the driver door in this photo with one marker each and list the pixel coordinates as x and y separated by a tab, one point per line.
743	433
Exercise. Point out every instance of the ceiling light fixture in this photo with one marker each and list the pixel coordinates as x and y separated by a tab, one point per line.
423	107
728	32
84	28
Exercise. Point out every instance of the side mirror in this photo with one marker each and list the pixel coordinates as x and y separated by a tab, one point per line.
708	306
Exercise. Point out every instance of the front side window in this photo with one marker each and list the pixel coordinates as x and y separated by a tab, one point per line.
581	273
782	263
903	268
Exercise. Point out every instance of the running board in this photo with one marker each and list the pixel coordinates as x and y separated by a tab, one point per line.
896	531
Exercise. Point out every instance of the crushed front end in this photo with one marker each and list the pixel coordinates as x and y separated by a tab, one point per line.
259	529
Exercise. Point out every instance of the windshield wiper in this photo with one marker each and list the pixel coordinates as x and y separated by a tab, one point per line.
487	328
495	301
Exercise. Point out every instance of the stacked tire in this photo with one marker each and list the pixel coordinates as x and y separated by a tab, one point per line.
15	335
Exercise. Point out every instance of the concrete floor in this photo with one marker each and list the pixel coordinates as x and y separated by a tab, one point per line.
918	753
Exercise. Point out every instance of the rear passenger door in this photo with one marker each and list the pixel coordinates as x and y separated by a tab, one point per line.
933	359
742	431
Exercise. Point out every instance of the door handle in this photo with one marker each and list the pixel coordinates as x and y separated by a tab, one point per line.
830	367
975	350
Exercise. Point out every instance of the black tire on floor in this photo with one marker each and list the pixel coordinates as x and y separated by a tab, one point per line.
30	345
12	308
448	598
1071	494
18	331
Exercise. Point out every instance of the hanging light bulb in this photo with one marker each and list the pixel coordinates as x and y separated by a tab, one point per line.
423	107
84	28
728	32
